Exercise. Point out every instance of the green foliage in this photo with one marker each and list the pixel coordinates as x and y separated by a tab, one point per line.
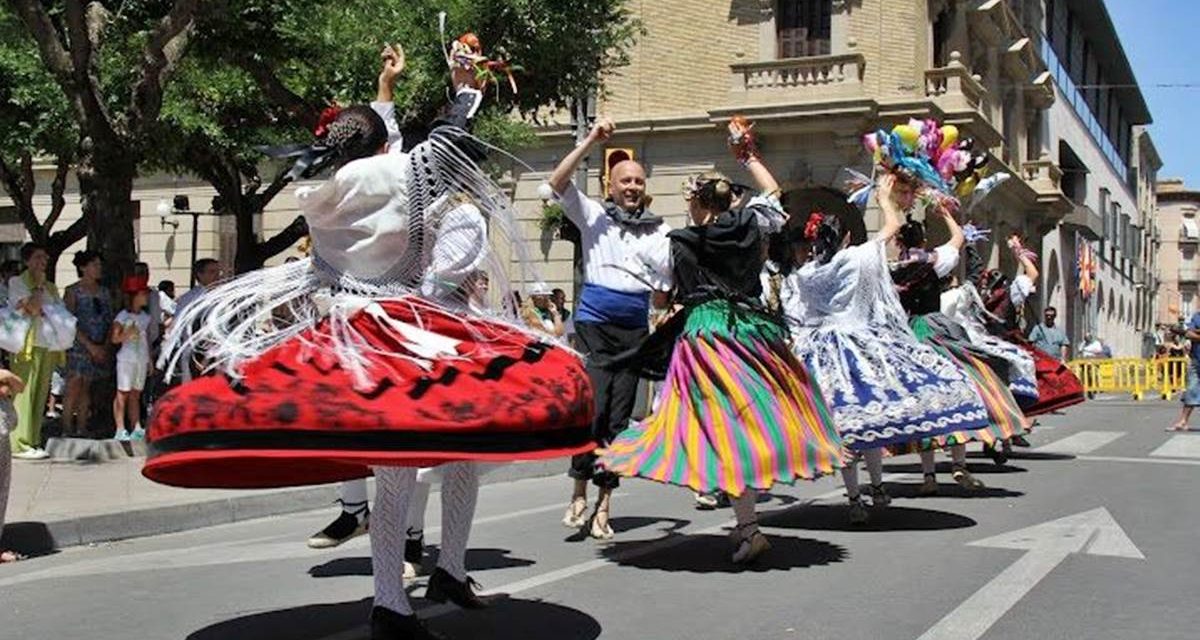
552	217
34	117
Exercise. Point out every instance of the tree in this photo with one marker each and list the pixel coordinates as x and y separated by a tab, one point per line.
111	68
261	75
34	127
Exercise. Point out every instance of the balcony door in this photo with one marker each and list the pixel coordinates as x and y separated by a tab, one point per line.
803	28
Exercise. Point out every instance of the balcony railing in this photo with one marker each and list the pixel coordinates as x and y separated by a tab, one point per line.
1189	274
954	88
799	78
1046	180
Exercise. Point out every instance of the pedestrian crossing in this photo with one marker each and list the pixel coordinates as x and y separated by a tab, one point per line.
1178	449
1179	446
1082	442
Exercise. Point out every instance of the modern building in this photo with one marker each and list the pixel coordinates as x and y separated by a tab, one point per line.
1179	258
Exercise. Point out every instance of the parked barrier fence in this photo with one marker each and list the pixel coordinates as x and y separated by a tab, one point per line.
1163	377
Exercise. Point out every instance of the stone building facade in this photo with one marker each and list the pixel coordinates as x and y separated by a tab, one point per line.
1179	258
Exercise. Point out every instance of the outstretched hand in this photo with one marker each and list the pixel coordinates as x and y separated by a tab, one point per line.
393	64
602	131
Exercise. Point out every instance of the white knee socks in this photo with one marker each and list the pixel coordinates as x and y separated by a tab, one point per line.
958	455
393	488
353	495
416	510
928	466
460	489
874	459
850	478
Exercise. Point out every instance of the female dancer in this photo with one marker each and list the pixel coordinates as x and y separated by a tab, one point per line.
1058	387
737	411
376	367
885	387
919	276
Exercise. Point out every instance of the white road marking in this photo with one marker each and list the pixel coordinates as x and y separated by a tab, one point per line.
1047	545
1172	461
1180	446
1082	442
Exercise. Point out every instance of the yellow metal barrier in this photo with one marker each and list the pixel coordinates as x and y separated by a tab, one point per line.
1135	376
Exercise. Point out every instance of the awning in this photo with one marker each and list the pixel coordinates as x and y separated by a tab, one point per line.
1190	230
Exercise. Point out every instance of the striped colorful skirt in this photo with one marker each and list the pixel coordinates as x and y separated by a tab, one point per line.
736	410
1004	412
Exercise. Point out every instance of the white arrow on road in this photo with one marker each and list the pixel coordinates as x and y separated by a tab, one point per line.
1047	545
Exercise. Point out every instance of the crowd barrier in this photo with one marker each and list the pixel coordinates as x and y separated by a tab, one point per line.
1163	377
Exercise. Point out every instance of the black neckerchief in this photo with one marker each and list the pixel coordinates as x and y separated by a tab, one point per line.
641	217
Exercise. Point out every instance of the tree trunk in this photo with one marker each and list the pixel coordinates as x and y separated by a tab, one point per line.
106	193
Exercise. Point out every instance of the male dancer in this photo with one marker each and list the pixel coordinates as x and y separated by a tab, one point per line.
620	238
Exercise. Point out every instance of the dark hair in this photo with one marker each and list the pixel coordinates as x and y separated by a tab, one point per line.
168	286
912	233
828	242
30	248
141	268
202	264
715	192
83	259
1050	308
357	132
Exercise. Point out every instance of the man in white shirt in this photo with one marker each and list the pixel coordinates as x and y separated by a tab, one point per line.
626	258
208	272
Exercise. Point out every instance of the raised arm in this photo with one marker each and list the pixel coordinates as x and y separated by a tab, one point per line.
957	238
893	215
1025	257
741	139
565	171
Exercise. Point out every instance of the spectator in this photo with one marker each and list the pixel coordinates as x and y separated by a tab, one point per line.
8	270
153	305
1191	393
559	298
166	300
131	330
35	300
206	272
540	314
10	385
1049	338
1092	347
89	358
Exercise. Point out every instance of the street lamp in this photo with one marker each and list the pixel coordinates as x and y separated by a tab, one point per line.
180	205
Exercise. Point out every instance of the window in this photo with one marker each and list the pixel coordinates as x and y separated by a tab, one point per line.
804	28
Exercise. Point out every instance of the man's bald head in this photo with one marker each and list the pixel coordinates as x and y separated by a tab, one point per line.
627	184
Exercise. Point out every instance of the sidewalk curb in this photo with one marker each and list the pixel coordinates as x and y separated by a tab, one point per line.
45	537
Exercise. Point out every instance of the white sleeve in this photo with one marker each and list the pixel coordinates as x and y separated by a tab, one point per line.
1022	287
387	111
460	249
578	208
946	261
768	212
656	259
17	291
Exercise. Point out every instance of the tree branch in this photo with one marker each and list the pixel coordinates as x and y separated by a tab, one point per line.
278	184
59	241
84	35
57	188
279	243
277	93
20	190
53	54
166	46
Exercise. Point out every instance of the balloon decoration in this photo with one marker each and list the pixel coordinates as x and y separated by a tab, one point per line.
944	166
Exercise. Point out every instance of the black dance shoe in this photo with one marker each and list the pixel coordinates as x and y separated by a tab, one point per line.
389	625
443	587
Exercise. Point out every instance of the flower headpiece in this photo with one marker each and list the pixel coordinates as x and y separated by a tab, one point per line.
467	53
328	115
742	139
813	226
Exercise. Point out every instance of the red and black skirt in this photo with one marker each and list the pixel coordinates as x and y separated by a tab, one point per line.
295	417
1058	387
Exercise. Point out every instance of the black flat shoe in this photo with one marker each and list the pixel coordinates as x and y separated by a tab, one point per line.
1020	441
389	625
443	587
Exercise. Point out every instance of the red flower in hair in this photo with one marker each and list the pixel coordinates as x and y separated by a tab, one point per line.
328	115
813	225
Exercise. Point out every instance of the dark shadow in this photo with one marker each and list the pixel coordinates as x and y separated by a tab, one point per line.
823	517
477	560
952	490
507	619
1019	454
710	554
945	468
31	539
625	524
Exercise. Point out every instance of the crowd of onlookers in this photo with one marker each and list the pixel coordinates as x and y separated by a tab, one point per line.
87	355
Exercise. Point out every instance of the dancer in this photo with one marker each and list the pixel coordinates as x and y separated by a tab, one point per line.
377	367
1058	387
919	276
620	237
10	385
737	412
884	386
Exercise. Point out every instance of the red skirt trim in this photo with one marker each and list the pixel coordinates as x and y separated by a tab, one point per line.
1058	387
295	416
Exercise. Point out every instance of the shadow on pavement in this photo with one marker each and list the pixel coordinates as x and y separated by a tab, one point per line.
710	553
952	490
477	560
625	524
945	468
506	619
823	517
32	539
1019	454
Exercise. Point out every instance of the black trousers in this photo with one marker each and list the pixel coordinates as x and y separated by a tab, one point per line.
615	391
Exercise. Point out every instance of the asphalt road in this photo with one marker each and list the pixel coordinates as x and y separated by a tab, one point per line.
1125	567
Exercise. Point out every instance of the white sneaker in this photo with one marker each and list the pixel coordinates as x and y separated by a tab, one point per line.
122	436
32	454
